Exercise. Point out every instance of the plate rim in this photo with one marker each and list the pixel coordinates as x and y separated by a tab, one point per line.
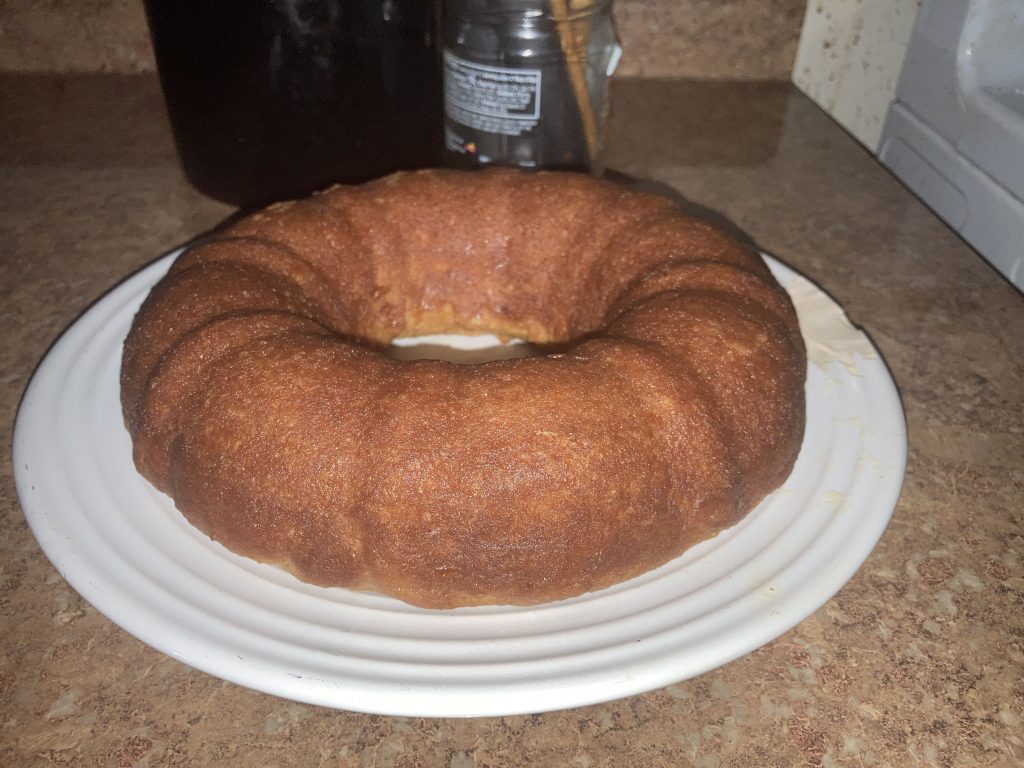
651	673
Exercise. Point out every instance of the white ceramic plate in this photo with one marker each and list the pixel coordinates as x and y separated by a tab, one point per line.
128	551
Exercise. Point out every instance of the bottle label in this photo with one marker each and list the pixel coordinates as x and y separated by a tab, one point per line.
498	100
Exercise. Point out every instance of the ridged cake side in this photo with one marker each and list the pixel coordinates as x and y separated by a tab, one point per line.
669	401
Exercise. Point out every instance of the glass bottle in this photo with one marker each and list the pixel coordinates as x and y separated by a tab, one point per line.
525	81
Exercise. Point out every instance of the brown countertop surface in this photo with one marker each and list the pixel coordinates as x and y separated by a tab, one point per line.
917	661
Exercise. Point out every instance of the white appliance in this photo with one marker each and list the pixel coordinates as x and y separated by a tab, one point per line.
955	132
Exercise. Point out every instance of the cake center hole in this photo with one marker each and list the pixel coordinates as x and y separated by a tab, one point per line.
458	348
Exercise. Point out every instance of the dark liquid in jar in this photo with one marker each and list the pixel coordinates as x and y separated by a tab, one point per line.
273	99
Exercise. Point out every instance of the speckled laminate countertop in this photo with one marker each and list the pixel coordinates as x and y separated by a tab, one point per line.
917	661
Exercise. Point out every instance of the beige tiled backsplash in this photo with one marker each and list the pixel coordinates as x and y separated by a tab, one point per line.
703	39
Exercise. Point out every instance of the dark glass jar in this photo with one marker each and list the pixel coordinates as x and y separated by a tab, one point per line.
525	81
273	99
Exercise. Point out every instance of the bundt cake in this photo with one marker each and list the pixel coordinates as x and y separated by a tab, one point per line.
666	402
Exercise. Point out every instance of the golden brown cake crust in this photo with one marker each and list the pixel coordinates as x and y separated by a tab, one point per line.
257	395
